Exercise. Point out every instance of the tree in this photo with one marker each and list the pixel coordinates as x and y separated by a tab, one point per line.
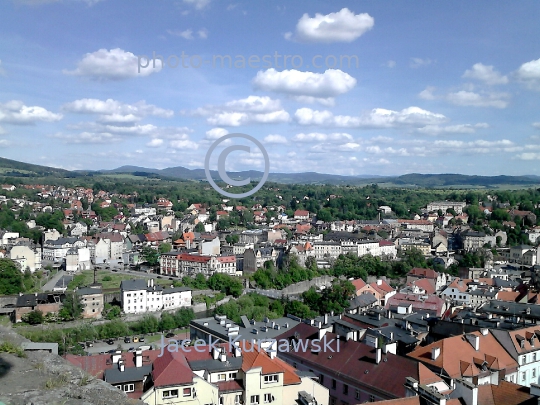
199	227
232	238
72	307
34	317
165	248
150	255
11	278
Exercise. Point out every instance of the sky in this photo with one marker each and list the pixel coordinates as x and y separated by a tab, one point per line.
341	87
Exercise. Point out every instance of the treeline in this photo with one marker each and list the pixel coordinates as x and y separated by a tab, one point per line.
68	339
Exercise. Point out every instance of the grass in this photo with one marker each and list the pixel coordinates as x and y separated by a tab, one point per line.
112	279
5	321
8	347
59	380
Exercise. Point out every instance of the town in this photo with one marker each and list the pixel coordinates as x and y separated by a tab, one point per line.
435	306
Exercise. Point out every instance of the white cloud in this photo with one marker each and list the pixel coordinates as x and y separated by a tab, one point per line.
427	93
529	156
15	112
4	143
186	34
320	137
249	110
202	33
115	64
113	111
529	73
87	138
486	74
278	139
342	26
184	144
472	99
198	4
324	86
436	130
376	118
390	64
216	133
155	143
419	62
536	125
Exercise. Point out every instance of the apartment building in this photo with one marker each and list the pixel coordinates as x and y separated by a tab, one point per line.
139	296
189	264
227	374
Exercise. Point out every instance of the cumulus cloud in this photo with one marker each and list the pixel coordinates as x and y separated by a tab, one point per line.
472	99
486	74
436	130
115	112
311	86
249	110
536	125
528	156
277	139
87	138
115	64
184	144
202	33
216	133
342	26
427	93
320	137
419	62
15	112
529	74
155	143
376	118
390	64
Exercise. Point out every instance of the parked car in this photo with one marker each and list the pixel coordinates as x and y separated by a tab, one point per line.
127	340
135	339
89	344
131	349
145	347
141	339
110	341
169	335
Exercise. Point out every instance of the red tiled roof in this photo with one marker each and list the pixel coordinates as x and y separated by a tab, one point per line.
171	369
358	283
426	285
427	273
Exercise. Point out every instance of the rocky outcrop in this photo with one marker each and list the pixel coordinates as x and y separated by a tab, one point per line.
41	378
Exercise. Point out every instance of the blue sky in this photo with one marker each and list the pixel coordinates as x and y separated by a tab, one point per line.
422	86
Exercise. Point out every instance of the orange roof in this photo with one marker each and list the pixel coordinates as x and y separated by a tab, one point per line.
358	283
506	393
459	358
253	357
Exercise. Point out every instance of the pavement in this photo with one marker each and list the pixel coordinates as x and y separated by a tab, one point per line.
49	285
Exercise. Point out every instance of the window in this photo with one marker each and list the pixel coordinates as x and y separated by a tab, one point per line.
221	400
533	373
332	401
321	379
187	392
237	399
534	357
345	389
254	399
272	378
357	394
170	394
222	377
334	384
129	387
268	398
523	376
232	376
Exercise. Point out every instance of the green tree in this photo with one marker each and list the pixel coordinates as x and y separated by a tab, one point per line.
72	307
150	255
199	227
35	317
165	248
11	278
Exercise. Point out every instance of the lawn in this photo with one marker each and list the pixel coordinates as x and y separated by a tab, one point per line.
112	279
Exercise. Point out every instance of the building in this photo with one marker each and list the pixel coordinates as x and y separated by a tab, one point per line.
352	371
26	257
445	205
227	374
182	264
325	250
92	300
139	296
255	258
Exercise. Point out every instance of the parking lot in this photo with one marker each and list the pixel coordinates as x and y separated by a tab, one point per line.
104	347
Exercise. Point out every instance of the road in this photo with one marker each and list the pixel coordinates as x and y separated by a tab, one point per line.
100	347
49	285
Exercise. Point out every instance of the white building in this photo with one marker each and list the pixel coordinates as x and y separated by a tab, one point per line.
26	257
140	296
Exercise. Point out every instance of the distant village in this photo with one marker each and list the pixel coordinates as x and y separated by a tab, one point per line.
431	337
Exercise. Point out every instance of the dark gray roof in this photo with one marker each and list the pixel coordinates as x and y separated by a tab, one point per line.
131	374
362	300
348	325
175	289
136	285
88	291
232	363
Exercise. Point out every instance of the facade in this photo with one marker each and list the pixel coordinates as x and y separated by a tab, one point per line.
227	374
444	205
26	257
324	250
92	300
140	296
182	264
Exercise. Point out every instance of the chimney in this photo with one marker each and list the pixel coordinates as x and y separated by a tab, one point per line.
378	355
379	282
474	340
148	283
435	353
237	351
151	282
322	332
121	365
222	355
116	356
484	331
215	353
138	358
325	319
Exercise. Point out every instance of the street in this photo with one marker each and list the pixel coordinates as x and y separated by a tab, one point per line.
100	346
